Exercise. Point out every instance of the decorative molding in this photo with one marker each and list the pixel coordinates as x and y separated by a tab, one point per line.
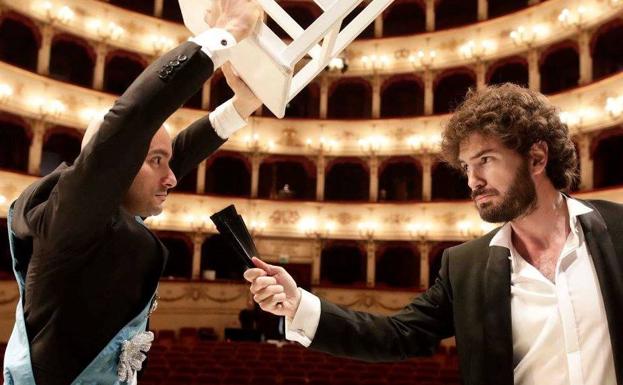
584	108
218	293
374	301
9	293
444	221
145	34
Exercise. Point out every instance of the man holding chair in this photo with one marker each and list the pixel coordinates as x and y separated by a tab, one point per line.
87	267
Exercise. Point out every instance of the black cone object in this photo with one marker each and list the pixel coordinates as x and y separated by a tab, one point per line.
231	226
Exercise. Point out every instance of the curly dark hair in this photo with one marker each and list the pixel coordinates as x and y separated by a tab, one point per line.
519	117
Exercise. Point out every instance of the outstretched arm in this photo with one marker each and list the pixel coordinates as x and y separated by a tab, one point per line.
326	327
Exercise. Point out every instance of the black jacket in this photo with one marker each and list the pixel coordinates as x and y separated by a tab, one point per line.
93	266
470	299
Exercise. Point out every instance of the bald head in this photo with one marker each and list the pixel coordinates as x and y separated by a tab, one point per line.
150	186
155	178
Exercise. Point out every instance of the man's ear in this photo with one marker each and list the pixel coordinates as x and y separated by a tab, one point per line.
539	155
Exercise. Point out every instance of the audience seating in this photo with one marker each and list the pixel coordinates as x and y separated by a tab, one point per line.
189	359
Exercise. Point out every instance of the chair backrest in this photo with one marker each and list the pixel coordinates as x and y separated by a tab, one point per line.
325	28
267	64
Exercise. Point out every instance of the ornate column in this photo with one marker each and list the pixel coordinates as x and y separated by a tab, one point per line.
101	50
534	76
198	239
316	254
256	160
373	163
378	26
483	10
320	177
427	179
586	61
324	96
205	95
430	15
376	96
586	161
158	5
481	73
36	147
201	177
424	248
428	92
43	58
371	263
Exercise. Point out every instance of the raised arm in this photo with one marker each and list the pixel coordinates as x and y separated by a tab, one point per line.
90	191
206	135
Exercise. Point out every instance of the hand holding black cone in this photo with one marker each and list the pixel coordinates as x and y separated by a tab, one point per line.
231	226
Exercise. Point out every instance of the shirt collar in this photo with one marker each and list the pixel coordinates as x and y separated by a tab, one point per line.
503	237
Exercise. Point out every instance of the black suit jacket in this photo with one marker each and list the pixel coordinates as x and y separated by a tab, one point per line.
470	299
93	266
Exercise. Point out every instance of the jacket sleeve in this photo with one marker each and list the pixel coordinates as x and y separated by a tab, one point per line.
91	191
414	331
191	146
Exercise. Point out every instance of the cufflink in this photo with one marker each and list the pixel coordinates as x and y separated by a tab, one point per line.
224	43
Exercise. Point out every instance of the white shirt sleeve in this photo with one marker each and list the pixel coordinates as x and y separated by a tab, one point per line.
215	42
302	328
226	120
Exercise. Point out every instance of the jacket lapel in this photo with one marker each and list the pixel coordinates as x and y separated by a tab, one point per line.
609	271
497	320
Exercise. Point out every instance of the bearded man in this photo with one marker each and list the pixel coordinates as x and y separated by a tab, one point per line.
538	300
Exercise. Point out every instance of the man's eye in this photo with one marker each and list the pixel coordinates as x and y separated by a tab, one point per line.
485	159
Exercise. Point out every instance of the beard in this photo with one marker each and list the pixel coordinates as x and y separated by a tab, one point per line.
519	200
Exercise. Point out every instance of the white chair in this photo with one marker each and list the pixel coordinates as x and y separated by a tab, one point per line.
267	64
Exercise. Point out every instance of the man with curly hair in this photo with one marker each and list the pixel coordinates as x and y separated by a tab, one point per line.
538	300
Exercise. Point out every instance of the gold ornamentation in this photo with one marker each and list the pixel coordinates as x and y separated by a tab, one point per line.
285	217
8	298
197	293
289	137
366	300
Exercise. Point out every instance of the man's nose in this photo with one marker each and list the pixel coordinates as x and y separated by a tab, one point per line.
474	180
170	180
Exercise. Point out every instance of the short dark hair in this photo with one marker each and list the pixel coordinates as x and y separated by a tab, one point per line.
519	117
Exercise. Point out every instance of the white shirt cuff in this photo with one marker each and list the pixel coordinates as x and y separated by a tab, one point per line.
226	120
302	328
215	42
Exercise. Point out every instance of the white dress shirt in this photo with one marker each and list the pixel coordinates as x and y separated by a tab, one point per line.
560	331
216	43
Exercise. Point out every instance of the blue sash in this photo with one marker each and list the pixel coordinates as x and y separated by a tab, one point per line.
17	363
